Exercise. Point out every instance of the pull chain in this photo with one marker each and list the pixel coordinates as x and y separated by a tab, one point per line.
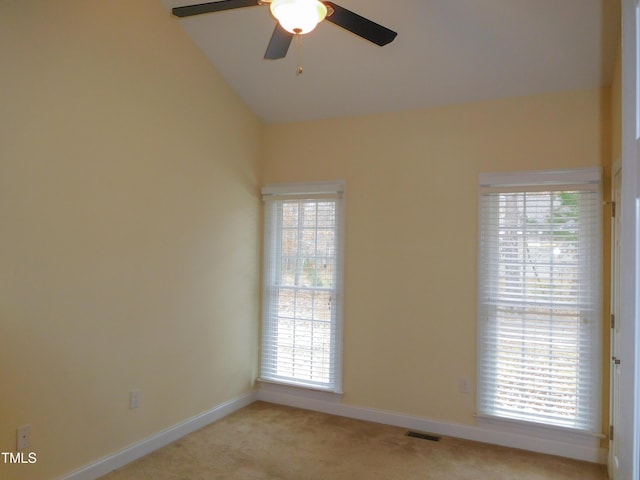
298	41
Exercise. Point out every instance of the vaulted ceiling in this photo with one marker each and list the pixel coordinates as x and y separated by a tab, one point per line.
447	51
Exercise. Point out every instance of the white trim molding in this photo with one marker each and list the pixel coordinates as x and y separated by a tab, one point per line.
332	404
628	431
144	447
563	446
319	211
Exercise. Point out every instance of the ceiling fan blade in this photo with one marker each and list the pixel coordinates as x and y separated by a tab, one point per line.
361	26
189	10
279	43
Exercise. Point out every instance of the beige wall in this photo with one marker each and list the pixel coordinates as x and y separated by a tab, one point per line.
614	144
615	158
410	273
129	229
616	108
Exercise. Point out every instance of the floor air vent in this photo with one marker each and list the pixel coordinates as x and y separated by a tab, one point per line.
423	436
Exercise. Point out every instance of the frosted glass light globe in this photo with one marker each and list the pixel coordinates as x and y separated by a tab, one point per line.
298	16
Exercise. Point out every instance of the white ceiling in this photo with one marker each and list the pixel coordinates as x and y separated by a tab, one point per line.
447	51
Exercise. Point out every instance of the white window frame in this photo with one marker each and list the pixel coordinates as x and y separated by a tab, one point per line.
486	417
335	191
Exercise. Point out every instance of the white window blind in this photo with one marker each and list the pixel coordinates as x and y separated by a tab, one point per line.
302	281
539	329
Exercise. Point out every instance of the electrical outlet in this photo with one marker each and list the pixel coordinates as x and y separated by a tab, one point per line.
134	399
23	437
465	385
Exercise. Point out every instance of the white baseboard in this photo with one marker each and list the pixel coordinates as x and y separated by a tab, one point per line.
328	403
306	400
165	437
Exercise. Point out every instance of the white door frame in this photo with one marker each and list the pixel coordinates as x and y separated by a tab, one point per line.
614	397
629	430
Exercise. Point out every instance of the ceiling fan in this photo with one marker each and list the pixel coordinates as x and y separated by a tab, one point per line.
297	17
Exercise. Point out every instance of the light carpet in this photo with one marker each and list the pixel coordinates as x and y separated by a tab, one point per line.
266	441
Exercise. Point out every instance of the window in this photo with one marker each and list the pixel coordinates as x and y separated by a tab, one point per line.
539	325
302	280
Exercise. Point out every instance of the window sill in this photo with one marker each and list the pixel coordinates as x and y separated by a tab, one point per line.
269	388
545	432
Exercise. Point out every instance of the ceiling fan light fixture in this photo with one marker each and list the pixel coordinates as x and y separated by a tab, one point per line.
298	16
